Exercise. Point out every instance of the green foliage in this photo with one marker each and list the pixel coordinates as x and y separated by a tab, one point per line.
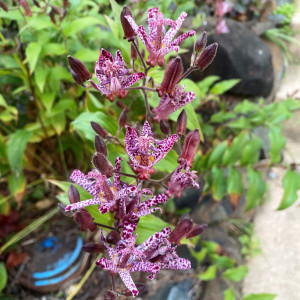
236	274
209	274
3	276
259	297
229	294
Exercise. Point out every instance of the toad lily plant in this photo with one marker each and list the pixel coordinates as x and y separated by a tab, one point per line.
128	200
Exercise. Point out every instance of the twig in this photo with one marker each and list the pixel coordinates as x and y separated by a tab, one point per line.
141	88
104	226
125	174
187	72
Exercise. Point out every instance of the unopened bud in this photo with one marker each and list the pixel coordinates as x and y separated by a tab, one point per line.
55	10
122	105
65	3
73	194
181	123
102	164
3	6
207	56
100	145
26	7
36	3
180	231
113	237
197	230
79	72
52	17
200	42
164	127
190	147
128	31
85	220
133	52
171	76
94	248
123	118
99	129
110	295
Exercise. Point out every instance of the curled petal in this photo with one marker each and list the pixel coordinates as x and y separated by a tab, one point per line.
132	79
79	178
82	204
146	131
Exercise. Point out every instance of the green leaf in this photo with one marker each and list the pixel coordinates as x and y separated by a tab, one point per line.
250	153
256	188
229	294
82	23
206	83
200	255
211	247
15	147
16	184
236	274
48	100
209	274
54	49
190	85
3	276
259	297
222	261
219	184
234	182
291	184
216	155
168	163
113	26
277	143
40	76
223	86
33	51
87	55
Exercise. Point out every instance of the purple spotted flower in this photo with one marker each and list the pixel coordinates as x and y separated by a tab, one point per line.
181	179
113	76
168	105
157	42
154	254
145	151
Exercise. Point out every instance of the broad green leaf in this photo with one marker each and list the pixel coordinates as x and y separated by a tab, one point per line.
223	86
236	274
15	148
291	184
277	143
256	188
234	182
33	51
16	184
3	276
113	26
209	274
200	255
38	22
54	49
82	23
262	296
206	83
246	107
222	261
211	247
116	9
169	163
59	122
190	85
48	100
219	184
87	55
229	294
250	153
222	117
240	123
216	155
40	76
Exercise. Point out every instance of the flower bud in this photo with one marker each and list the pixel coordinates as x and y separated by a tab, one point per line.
113	237
65	3
164	127
94	248
133	52
180	231
85	220
99	129
3	6
122	118
110	295
171	76
100	145
102	164
196	230
207	56
143	53
190	147
128	31
26	7
53	20
73	194
122	105
36	3
79	72
200	42
181	123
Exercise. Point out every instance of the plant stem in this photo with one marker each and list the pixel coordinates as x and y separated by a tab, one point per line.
139	53
141	88
62	156
187	72
104	226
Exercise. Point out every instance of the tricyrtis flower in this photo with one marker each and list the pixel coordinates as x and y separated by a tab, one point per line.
145	151
168	105
180	180
157	43
154	254
113	76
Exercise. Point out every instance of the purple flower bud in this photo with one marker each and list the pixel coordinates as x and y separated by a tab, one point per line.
164	127
26	7
171	76
110	295
207	56
190	147
196	230
200	42
180	231
128	31
143	53
100	145
133	52
102	164
122	118
94	248
99	129
122	105
36	3
79	72
3	6
181	123
85	220
65	3
52	18
73	194
113	237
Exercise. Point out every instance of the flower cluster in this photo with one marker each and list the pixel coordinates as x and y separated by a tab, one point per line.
128	202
